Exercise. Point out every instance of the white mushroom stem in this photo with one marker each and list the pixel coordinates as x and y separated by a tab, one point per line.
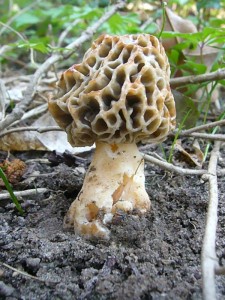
115	181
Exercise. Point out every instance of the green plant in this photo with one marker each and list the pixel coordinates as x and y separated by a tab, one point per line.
180	127
10	190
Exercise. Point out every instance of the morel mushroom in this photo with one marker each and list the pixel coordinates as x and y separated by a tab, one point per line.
118	96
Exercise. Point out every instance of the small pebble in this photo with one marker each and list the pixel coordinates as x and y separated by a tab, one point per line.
6	290
33	263
80	170
21	221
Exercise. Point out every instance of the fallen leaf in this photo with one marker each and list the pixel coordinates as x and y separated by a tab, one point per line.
193	157
184	104
177	24
203	54
13	170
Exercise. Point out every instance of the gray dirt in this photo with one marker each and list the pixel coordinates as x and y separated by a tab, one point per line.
156	256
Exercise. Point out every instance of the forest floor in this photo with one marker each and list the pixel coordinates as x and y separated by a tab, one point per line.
156	256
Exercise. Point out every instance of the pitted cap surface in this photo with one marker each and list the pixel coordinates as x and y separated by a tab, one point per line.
119	93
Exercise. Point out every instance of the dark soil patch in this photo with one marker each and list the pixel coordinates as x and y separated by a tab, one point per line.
156	256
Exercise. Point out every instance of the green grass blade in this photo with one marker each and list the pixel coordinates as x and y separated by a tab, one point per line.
163	19
9	188
177	136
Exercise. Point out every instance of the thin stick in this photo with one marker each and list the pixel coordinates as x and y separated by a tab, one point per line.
31	113
88	33
209	259
18	111
171	168
17	15
24	193
2	99
4	49
179	81
66	31
204	127
206	136
25	273
38	129
13	30
25	78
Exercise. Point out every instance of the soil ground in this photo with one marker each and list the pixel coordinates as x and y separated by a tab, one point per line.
156	256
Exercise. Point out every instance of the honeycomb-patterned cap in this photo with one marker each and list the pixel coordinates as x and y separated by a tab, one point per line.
120	93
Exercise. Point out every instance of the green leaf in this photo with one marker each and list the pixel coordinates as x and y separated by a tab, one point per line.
195	68
208	4
183	105
38	46
86	13
215	22
193	36
27	18
56	12
119	24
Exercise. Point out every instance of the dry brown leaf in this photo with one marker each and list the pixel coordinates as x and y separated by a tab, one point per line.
198	152
13	170
202	54
193	158
176	24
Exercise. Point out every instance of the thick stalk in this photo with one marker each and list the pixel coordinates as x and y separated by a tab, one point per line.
114	181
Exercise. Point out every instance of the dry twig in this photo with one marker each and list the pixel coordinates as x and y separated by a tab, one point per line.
209	259
30	128
20	12
213	76
2	99
171	168
4	49
178	170
24	193
25	273
32	113
204	127
64	34
206	136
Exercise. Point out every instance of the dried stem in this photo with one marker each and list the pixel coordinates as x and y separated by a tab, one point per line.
207	136
64	34
180	81
209	259
24	193
171	168
204	127
2	99
18	111
22	11
38	129
4	49
29	114
25	273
